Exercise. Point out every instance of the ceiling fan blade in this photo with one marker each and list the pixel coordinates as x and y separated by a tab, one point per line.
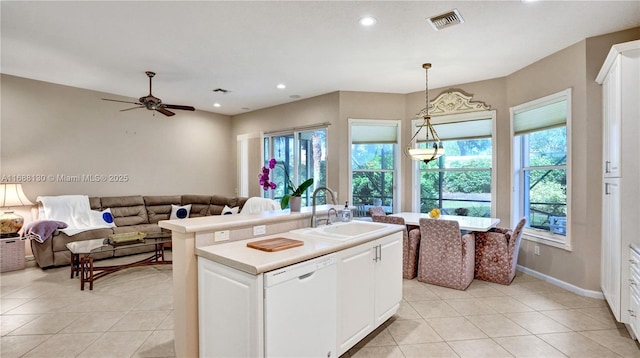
115	100
175	106
128	109
165	111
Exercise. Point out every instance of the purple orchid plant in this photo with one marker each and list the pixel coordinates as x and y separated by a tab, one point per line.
266	183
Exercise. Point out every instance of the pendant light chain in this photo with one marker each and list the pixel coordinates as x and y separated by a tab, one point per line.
427	119
436	150
426	66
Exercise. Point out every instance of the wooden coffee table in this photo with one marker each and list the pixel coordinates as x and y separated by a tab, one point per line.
82	256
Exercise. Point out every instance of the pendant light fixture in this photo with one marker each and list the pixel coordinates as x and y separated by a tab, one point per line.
434	147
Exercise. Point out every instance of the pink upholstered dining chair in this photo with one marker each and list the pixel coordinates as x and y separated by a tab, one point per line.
410	244
497	254
446	258
376	211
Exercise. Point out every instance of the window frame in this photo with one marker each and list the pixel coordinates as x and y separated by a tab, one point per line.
455	118
397	165
268	152
517	166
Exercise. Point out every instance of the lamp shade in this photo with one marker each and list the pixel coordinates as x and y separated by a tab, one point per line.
11	194
426	154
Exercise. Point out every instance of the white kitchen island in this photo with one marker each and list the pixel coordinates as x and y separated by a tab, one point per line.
219	289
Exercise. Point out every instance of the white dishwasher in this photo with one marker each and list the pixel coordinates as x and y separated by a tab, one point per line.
300	309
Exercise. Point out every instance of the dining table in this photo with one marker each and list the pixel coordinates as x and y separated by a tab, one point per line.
466	223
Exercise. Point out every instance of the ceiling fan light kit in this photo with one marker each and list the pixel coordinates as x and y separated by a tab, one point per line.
153	103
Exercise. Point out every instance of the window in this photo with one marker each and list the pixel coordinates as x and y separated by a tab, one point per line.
303	154
541	157
374	172
460	181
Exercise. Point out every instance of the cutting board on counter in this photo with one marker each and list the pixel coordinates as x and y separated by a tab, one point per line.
275	244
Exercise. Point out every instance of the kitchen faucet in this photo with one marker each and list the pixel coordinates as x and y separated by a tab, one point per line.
314	218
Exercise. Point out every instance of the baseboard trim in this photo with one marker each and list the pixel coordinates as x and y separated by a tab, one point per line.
567	286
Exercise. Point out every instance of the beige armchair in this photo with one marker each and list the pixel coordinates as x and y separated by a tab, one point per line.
446	258
497	254
410	244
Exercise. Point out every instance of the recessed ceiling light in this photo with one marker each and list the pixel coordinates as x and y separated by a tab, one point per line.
281	86
216	104
367	21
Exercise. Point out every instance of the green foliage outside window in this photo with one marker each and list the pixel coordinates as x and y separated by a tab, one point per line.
461	179
372	178
547	196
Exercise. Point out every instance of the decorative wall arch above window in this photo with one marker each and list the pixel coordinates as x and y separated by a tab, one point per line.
455	102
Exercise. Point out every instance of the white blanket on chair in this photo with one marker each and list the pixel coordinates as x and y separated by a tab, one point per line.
74	210
257	204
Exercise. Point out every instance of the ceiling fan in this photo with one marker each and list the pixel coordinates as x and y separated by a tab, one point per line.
153	103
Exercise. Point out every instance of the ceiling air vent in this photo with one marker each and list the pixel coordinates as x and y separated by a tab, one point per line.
445	20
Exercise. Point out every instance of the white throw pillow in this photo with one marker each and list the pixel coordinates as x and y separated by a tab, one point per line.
180	212
229	211
102	218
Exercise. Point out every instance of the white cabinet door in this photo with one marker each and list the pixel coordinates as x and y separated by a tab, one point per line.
369	288
611	249
355	295
230	311
612	121
388	276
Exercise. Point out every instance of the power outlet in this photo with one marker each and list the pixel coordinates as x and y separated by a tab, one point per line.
536	250
259	230
221	236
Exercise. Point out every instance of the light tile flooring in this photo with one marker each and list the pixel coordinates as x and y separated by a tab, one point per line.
129	314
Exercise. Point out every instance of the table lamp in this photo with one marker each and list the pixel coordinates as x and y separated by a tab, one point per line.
11	195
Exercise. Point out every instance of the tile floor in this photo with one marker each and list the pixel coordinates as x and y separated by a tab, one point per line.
129	314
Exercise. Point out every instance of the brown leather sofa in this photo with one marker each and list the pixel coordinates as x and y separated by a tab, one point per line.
130	213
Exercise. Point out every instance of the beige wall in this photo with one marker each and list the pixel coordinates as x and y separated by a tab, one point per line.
364	105
574	67
307	112
51	129
492	93
564	69
55	130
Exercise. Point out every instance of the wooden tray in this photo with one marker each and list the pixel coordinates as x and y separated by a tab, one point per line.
275	244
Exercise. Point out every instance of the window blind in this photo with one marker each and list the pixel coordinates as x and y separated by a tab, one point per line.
546	116
470	129
368	133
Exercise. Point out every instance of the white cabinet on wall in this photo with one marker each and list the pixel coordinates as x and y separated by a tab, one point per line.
611	121
620	80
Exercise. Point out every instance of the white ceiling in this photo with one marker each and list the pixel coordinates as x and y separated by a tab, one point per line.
314	47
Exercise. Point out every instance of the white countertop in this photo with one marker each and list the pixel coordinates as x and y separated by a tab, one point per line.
236	254
219	222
